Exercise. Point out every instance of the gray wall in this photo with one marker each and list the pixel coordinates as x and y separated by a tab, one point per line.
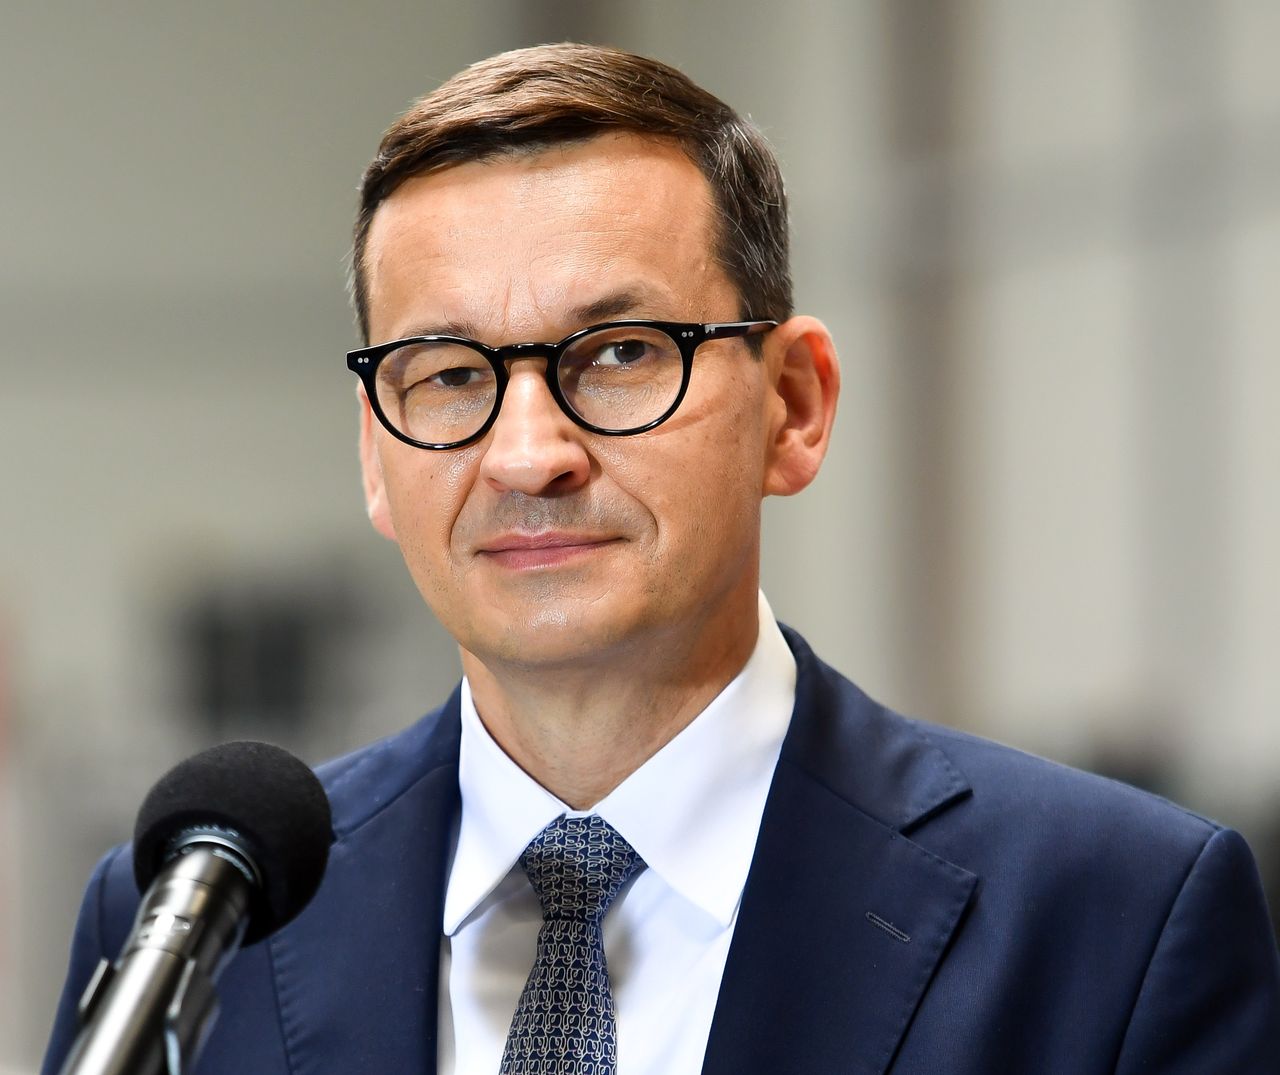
1047	238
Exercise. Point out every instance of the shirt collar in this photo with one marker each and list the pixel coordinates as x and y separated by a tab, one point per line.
716	772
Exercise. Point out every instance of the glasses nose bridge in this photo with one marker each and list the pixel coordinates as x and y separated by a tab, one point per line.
513	352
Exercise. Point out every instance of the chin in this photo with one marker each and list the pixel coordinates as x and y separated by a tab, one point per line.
551	635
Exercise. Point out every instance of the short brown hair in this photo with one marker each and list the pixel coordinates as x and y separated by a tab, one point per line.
530	99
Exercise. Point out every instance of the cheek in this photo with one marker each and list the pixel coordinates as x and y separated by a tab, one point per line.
732	477
425	494
702	488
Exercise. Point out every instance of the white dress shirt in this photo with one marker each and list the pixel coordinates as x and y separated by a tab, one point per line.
692	812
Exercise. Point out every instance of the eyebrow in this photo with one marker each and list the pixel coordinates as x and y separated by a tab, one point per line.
626	302
449	327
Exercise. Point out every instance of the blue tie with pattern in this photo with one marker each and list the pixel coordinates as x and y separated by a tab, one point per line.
564	1022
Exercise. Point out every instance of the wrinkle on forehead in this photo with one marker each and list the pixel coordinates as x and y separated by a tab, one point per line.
625	301
509	246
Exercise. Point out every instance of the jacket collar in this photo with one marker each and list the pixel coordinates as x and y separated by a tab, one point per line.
844	919
876	761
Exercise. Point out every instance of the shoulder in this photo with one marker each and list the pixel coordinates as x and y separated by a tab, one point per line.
360	785
984	802
1091	895
1010	783
363	783
1093	849
1162	903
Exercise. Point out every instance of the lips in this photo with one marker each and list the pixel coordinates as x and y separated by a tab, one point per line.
545	549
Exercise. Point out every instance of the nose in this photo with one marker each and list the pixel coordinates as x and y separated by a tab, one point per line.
534	447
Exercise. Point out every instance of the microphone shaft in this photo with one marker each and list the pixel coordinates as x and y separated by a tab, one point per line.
147	1014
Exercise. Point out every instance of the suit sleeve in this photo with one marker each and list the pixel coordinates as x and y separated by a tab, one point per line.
87	948
1210	1000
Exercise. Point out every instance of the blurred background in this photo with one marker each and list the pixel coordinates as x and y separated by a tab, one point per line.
1045	235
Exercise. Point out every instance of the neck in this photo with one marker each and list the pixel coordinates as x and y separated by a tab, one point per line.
580	732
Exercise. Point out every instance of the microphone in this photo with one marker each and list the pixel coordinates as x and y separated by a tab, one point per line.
228	847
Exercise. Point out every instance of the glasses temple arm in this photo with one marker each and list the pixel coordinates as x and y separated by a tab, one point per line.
738	328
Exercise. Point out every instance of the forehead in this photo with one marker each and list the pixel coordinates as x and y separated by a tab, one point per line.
513	244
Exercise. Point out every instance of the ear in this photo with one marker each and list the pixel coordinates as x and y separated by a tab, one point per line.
801	358
375	491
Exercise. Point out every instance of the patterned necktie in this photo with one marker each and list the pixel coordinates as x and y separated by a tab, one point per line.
564	1022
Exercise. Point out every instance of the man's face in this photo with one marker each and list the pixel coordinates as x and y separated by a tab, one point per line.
544	545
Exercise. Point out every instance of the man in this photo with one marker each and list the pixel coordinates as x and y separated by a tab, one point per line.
651	831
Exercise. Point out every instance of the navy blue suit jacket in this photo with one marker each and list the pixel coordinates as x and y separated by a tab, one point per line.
920	901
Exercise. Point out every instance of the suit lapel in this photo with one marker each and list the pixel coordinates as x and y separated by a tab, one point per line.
374	927
843	919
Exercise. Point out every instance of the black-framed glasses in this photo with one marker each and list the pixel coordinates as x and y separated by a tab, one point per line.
619	378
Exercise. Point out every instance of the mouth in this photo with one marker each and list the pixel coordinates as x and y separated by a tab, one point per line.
549	549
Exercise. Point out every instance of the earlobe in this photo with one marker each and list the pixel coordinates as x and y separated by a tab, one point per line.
806	382
375	491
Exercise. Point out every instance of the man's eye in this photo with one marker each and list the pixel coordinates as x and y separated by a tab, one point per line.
456	377
623	353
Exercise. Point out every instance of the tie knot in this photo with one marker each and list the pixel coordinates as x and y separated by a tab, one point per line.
577	865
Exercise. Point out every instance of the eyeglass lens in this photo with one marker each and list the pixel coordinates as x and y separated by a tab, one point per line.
618	379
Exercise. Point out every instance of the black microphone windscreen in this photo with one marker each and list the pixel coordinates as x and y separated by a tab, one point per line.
263	794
